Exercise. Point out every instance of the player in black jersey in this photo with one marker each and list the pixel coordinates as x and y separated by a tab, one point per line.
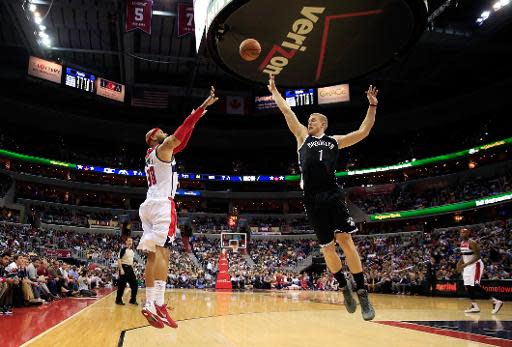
323	201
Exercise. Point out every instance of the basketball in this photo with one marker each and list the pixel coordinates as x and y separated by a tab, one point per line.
250	49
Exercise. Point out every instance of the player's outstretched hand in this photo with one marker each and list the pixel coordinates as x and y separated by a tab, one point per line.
211	99
272	84
371	94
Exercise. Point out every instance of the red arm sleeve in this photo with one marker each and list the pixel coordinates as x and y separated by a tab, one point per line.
183	143
189	123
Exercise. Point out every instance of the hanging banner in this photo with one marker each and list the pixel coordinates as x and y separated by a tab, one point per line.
185	19
138	15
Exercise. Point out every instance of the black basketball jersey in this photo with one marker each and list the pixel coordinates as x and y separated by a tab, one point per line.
317	162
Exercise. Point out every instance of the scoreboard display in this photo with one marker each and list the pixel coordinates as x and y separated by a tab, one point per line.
300	97
80	80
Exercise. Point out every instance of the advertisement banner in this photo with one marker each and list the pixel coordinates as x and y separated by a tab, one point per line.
185	19
138	15
110	90
265	102
44	69
501	289
333	94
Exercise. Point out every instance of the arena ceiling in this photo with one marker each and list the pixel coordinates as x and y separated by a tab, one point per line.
454	56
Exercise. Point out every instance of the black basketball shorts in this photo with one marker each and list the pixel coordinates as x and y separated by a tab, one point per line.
328	215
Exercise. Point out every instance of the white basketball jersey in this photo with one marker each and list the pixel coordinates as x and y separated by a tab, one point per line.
467	253
162	176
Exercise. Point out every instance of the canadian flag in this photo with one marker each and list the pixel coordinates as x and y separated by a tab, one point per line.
235	105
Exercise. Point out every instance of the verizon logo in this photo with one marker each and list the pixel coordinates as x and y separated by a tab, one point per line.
279	56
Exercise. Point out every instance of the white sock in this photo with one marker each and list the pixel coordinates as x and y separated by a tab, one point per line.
159	292
150	295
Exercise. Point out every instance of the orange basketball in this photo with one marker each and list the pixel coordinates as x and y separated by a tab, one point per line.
250	49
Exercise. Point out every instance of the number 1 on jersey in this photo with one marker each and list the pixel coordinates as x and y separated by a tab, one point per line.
321	154
150	173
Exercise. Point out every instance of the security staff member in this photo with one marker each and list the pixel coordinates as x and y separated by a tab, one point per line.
126	274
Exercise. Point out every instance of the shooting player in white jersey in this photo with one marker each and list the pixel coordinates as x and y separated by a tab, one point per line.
158	212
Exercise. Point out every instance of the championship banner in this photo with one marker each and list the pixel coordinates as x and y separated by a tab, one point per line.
185	19
138	15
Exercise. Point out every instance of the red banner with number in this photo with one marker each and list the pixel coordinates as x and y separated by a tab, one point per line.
185	19
138	15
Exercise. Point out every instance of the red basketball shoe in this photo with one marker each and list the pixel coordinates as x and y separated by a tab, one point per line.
150	312
164	316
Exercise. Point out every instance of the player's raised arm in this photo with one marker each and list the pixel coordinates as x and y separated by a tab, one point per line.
299	130
176	143
367	124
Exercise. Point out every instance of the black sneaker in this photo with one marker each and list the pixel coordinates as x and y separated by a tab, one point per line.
134	302
350	302
120	303
8	311
2	310
366	307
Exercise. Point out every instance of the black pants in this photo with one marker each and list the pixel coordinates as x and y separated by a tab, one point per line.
128	277
431	285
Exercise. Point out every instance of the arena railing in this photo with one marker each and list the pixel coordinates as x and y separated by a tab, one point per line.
262	178
380	217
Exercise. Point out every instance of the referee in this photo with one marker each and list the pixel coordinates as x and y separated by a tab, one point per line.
126	274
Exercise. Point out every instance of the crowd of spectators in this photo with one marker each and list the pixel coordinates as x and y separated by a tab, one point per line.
27	280
395	263
412	197
400	264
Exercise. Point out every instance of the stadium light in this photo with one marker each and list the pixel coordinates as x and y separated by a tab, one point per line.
32	8
42	27
42	34
38	20
497	6
46	41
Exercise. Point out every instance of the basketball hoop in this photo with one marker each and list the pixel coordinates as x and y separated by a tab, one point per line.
234	241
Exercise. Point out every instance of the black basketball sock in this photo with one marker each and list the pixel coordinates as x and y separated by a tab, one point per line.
359	279
471	292
482	292
340	277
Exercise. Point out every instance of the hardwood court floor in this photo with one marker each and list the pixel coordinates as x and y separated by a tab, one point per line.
279	318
